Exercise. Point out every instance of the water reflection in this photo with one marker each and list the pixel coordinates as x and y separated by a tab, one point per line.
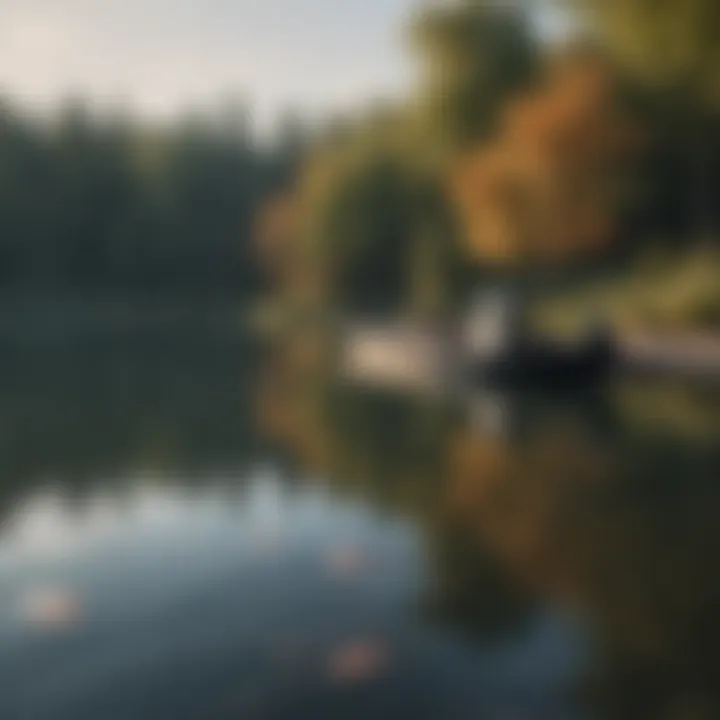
78	415
188	529
603	508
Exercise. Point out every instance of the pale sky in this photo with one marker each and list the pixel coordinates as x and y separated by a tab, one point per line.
161	56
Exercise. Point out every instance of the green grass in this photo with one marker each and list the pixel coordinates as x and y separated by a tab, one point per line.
661	291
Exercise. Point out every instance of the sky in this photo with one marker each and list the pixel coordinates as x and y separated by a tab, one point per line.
160	57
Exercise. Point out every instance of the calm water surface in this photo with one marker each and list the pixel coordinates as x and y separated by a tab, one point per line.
189	529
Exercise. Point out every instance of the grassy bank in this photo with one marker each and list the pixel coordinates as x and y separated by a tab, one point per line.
663	291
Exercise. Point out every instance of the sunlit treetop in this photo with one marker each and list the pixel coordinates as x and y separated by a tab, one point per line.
672	44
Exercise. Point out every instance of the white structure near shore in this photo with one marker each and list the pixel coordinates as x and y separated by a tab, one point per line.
394	354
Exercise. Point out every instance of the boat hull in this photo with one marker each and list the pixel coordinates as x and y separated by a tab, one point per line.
549	366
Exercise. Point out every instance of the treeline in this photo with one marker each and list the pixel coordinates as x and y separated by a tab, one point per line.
511	158
113	205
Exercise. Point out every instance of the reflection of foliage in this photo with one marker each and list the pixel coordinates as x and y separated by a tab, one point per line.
514	493
387	448
101	413
578	504
391	450
622	526
469	588
678	409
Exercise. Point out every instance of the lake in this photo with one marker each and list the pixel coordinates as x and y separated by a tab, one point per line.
193	528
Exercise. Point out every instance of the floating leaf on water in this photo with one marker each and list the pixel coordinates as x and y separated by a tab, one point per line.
358	661
52	608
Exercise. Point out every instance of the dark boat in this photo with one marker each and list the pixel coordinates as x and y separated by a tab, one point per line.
504	352
542	363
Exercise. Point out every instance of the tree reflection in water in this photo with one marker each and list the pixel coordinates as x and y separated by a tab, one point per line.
605	506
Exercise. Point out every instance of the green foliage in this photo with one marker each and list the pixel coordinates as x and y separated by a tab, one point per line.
475	56
368	226
603	161
673	44
90	204
380	226
663	290
673	48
